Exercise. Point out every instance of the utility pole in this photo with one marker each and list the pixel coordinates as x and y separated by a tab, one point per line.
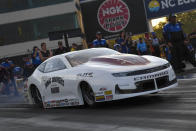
80	21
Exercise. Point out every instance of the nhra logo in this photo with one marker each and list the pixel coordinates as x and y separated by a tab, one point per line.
154	6
113	15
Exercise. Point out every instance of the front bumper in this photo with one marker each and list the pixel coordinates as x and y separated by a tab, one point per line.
131	86
166	80
147	85
124	96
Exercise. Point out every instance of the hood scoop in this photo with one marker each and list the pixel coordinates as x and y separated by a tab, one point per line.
121	60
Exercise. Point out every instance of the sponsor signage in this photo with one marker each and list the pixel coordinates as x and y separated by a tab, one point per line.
148	77
112	16
159	8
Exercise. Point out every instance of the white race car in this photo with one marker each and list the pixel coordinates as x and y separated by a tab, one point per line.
97	75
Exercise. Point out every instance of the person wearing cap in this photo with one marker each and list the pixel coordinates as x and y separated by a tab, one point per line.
174	36
117	46
99	42
28	70
61	49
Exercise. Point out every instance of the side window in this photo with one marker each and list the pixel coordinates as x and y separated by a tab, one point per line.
54	65
42	67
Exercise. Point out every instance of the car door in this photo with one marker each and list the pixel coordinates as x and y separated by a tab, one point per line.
53	79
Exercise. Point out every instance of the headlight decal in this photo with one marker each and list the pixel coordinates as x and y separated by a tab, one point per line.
140	72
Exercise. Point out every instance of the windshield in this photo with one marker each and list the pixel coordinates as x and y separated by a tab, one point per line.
81	57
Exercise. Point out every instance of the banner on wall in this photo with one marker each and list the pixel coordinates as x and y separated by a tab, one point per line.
113	16
160	8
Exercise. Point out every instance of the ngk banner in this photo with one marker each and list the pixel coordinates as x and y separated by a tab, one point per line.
159	8
113	16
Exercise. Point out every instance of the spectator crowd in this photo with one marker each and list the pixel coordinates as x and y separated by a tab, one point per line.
10	72
175	47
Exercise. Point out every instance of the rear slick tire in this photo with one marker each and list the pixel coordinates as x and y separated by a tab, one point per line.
37	98
88	95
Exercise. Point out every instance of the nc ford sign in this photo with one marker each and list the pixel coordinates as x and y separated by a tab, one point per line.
159	8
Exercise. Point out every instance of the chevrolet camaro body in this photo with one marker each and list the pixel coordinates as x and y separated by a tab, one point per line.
110	74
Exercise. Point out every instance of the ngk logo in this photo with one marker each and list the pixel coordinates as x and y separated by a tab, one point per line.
112	10
113	15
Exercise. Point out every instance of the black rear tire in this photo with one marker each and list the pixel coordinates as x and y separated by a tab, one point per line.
88	95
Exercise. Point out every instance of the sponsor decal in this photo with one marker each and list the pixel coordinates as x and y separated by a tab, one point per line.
55	90
73	102
103	89
48	82
64	103
58	80
47	104
61	103
154	6
99	93
147	77
85	74
109	98
57	104
100	98
53	103
108	92
158	8
113	15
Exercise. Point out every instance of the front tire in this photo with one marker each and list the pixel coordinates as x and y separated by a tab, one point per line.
88	95
37	98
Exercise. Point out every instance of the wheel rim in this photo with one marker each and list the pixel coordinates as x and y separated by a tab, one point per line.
38	96
88	95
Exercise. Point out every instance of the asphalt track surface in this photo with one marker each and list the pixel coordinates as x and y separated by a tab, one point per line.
171	110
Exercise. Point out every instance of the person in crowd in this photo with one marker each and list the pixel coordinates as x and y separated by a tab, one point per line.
9	65
61	49
28	70
117	46
36	61
168	53
142	47
174	36
190	52
18	72
99	41
192	37
155	45
123	41
44	54
74	47
4	78
162	49
133	48
150	48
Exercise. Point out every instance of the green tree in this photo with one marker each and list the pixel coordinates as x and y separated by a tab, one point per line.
188	19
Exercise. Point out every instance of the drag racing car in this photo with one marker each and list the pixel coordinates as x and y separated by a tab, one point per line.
97	75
